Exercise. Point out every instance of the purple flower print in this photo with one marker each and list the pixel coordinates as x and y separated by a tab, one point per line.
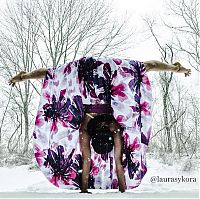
146	82
63	168
64	111
117	61
140	174
126	72
107	71
90	79
94	169
39	120
129	150
114	184
68	69
120	119
39	155
134	84
49	75
143	107
145	138
119	90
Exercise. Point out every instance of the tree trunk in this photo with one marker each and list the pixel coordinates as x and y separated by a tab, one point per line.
26	133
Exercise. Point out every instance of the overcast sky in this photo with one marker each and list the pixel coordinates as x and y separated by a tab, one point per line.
136	10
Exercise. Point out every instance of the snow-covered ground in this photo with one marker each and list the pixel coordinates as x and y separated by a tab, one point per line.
20	182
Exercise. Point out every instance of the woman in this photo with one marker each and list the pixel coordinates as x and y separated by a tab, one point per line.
101	91
152	65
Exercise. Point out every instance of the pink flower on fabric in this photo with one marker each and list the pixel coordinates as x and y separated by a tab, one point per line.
45	84
145	108
54	180
145	80
126	72
95	170
56	83
146	136
39	155
39	120
103	167
69	137
119	91
114	184
59	110
135	145
130	161
47	96
54	128
68	68
117	61
72	174
63	167
120	119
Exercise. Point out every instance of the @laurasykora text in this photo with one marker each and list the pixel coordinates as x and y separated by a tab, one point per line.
157	179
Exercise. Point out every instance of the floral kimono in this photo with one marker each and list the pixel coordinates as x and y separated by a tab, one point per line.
123	83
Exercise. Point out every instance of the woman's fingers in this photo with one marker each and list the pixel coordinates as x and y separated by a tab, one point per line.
11	82
188	73
16	78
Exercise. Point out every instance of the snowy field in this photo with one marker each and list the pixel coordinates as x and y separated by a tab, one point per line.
20	182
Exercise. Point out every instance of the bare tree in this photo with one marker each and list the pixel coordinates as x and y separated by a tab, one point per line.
37	33
18	40
187	31
68	28
176	132
167	56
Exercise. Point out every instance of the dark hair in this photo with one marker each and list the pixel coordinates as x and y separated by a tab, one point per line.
101	136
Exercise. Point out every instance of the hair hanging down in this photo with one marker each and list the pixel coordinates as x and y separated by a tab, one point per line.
99	131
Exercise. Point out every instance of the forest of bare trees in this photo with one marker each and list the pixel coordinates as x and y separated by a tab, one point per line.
177	123
40	33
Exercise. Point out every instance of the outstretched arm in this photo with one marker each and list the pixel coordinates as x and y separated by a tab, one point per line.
154	65
36	74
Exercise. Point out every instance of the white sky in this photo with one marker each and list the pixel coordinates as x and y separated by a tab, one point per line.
137	10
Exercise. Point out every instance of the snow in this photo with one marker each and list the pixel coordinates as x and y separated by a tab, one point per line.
21	182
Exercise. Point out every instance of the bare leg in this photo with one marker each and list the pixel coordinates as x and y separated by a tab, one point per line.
86	154
118	161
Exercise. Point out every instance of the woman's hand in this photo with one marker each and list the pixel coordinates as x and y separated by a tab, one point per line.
187	72
181	69
16	78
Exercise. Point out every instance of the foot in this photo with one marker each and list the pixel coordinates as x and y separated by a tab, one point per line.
122	190
86	191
